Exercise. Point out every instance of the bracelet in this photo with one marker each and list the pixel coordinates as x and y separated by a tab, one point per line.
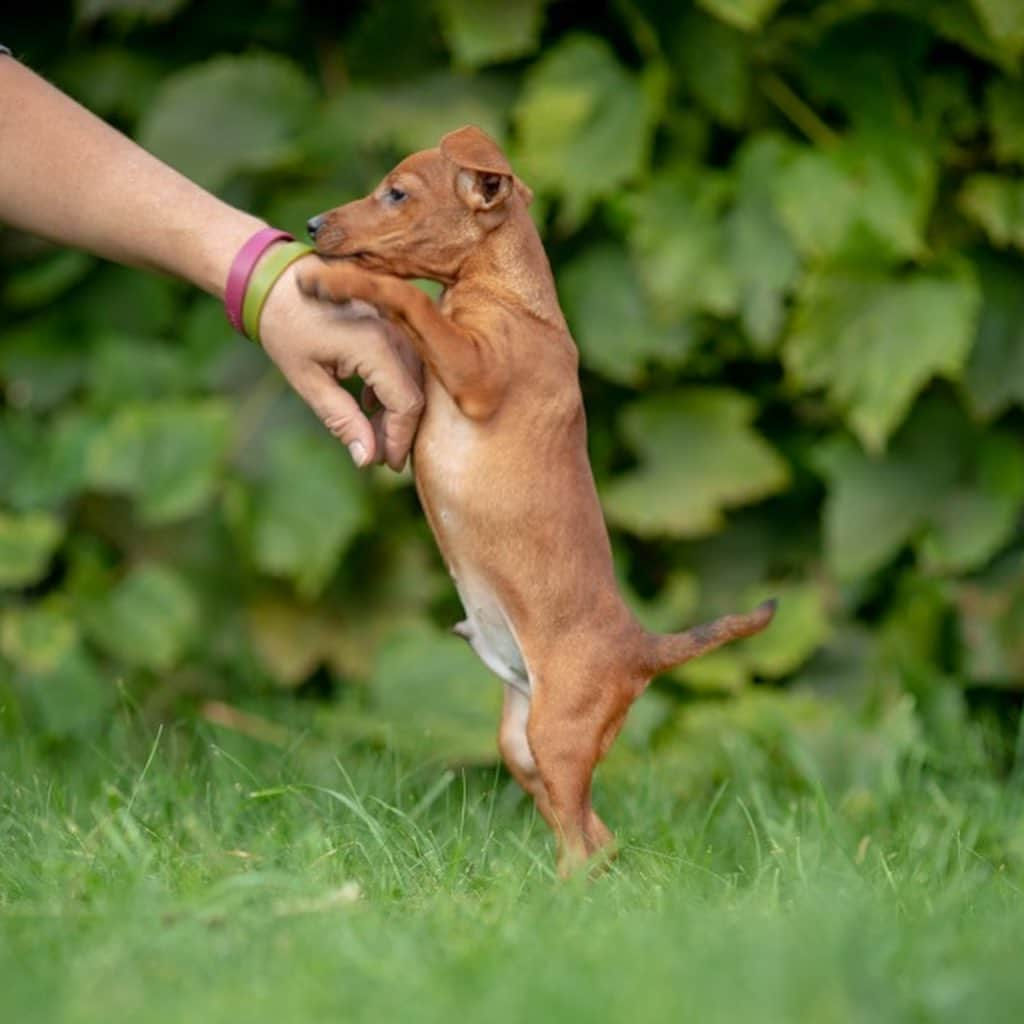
241	270
263	278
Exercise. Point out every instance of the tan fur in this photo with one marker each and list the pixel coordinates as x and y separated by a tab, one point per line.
501	465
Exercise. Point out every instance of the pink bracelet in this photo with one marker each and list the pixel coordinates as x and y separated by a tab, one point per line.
241	270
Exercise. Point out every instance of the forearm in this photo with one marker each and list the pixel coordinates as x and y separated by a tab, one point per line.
69	177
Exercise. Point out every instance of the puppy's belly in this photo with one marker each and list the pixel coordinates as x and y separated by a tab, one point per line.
446	462
489	632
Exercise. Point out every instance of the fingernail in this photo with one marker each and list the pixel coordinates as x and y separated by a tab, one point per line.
358	452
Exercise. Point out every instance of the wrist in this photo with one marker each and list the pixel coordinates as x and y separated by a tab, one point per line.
221	244
267	271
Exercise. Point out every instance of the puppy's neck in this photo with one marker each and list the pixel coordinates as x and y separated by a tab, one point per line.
510	263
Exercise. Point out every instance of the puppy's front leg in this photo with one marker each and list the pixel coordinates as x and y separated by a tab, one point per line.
466	367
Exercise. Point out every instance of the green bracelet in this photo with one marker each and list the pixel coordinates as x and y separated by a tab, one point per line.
277	260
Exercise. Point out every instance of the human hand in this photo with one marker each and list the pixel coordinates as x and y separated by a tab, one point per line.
315	345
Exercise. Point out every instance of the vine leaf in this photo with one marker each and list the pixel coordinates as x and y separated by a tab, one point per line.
584	123
676	234
167	455
743	14
994	378
485	34
230	114
306	509
698	456
997	205
27	543
872	342
148	620
946	486
617	332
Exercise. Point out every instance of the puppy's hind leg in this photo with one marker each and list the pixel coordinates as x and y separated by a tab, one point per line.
515	748
573	719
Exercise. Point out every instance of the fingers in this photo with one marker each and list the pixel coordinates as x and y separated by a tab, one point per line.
315	347
402	400
339	412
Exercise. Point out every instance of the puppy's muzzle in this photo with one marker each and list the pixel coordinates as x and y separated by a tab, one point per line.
313	225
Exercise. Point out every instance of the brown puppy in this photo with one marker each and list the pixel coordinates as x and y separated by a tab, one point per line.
501	464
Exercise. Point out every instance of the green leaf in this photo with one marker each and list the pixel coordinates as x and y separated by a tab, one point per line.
584	123
800	627
1004	22
38	638
1004	103
991	621
673	605
389	41
231	114
40	366
618	335
48	465
744	14
872	342
997	204
123	300
677	235
292	639
698	456
306	510
406	116
88	11
485	34
957	22
123	368
945	485
978	516
167	455
874	504
721	671
42	283
866	198
63	688
721	85
27	543
455	699
994	378
763	259
149	620
113	83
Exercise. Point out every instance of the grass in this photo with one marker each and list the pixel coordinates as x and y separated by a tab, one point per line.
192	874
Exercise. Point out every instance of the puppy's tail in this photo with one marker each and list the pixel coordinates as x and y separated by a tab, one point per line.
670	649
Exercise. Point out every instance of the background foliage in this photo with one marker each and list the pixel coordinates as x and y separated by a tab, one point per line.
788	239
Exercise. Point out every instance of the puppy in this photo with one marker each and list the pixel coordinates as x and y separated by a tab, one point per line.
501	465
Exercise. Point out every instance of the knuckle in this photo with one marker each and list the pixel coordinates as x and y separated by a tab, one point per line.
337	424
414	405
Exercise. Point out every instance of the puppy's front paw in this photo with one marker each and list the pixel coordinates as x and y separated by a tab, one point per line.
313	282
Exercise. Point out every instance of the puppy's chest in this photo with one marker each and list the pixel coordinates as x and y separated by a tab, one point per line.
446	446
447	460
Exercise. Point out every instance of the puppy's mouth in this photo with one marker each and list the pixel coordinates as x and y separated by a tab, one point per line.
356	256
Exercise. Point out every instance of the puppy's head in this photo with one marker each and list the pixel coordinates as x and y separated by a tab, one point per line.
429	213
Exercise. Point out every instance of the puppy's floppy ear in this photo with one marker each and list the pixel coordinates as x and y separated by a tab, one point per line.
484	179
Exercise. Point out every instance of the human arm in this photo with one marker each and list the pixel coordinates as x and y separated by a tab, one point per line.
69	177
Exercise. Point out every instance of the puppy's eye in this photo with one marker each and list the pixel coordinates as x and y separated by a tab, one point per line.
395	195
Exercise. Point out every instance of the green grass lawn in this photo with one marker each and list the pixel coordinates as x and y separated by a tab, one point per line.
193	874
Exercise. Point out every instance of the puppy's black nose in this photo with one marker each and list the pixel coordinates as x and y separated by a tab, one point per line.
313	225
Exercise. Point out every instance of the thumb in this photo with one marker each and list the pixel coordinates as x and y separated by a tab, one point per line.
339	412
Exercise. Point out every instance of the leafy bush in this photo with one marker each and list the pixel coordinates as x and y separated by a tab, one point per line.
787	236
